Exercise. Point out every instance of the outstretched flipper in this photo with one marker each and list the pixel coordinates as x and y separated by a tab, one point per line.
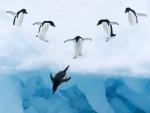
11	12
141	14
66	79
43	39
68	40
114	23
37	23
88	39
51	77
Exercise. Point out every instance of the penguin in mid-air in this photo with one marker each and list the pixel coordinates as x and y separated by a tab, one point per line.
107	26
133	16
59	78
78	42
18	17
43	28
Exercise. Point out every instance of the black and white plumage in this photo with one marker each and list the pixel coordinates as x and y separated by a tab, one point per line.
59	78
43	28
107	26
78	43
18	17
133	16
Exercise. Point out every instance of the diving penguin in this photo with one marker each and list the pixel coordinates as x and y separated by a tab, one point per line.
59	78
78	42
18	17
43	28
107	26
133	16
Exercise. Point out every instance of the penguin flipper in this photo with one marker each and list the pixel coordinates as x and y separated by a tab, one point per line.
114	23
141	14
11	12
37	23
43	39
88	39
66	79
68	40
51	77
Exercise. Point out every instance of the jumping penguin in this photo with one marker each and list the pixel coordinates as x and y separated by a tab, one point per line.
18	17
43	28
59	78
107	26
78	42
133	16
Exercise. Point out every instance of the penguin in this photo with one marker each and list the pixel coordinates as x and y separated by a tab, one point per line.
107	26
18	17
59	78
43	28
78	42
133	16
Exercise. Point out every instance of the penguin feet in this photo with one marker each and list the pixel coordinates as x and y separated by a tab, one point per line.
107	39
77	56
80	54
113	35
74	57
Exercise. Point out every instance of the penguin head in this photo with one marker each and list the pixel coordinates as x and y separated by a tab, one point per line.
127	9
77	38
99	22
51	23
103	20
24	11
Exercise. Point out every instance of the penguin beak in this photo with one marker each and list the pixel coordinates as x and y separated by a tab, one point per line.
98	23
65	70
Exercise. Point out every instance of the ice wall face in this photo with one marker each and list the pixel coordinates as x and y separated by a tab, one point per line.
37	96
83	94
121	103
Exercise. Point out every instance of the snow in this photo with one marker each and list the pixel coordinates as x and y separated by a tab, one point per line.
109	77
127	53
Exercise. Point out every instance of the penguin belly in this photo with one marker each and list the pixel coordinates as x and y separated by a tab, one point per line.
43	30
131	18
78	48
19	19
106	27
